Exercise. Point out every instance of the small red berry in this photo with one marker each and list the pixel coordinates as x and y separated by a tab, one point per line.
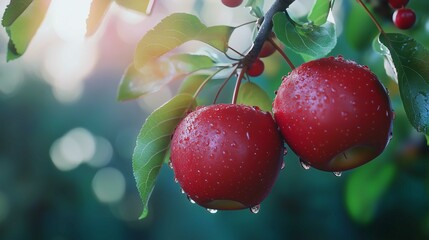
232	3
256	68
404	18
267	49
398	3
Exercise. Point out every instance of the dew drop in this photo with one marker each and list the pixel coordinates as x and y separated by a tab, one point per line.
212	210
255	209
190	200
305	165
170	164
337	174
284	152
175	180
256	108
283	165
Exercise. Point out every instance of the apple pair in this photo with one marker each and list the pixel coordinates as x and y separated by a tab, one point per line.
333	113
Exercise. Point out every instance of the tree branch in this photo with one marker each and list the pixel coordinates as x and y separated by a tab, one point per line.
265	29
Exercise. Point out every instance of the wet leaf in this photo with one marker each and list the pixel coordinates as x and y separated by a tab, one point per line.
175	30
97	11
320	11
156	74
22	24
252	95
306	39
153	143
364	188
410	61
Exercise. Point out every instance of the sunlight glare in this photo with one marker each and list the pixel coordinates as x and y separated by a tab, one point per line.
108	185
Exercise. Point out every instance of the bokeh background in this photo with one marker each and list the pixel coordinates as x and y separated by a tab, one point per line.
66	142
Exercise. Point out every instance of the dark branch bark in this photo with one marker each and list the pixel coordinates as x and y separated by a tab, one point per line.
265	29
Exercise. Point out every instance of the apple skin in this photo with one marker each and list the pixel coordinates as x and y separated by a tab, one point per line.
227	156
267	50
232	3
398	3
404	18
334	114
256	68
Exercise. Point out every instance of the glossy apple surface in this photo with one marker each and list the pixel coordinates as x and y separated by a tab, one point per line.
227	156
404	18
334	114
232	3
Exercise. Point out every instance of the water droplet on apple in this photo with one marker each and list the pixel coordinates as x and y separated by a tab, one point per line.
190	199
248	135
175	180
256	108
212	211
283	165
337	174
183	191
284	151
170	164
304	165
255	209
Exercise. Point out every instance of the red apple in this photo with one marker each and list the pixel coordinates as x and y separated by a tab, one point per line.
227	156
334	114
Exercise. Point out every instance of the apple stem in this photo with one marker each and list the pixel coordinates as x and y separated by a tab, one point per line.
263	34
238	83
223	84
208	79
265	29
289	62
377	24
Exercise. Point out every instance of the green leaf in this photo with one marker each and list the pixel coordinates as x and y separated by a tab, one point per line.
156	74
364	188
136	5
410	59
307	39
14	10
153	142
191	84
97	11
256	7
320	11
252	95
175	30
23	28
